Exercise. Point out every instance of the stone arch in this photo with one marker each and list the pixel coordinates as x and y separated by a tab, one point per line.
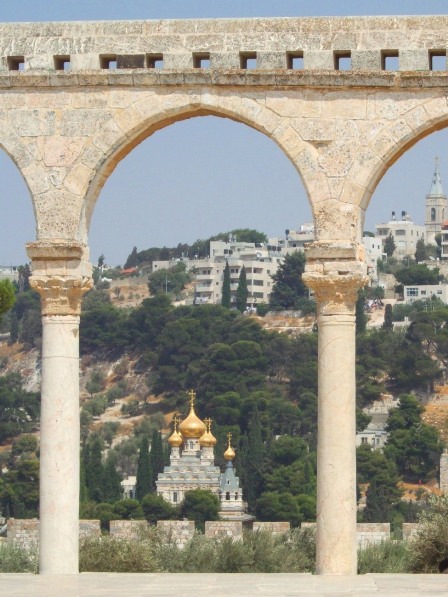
390	144
156	111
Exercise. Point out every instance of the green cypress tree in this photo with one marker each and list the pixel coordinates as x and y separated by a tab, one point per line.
252	461
144	472
389	245
225	298
388	320
14	328
83	491
112	490
361	317
95	471
241	292
157	456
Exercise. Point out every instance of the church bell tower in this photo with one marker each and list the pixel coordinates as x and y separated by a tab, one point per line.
436	207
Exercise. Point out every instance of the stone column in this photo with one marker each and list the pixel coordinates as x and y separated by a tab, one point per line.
335	283
61	276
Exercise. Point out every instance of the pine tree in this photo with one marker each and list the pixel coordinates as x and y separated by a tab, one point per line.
225	299
157	457
421	253
144	472
241	292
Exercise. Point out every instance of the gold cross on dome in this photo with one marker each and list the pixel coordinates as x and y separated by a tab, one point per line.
176	422
192	395
229	437
208	423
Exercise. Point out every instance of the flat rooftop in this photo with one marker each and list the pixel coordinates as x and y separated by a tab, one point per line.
223	585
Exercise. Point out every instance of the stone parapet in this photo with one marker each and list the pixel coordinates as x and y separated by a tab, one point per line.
177	531
276	528
409	530
367	533
226	43
24	532
127	529
224	528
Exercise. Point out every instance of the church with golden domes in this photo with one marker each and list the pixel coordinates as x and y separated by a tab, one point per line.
192	466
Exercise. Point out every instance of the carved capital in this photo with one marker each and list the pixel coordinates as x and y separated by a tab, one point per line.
61	295
335	294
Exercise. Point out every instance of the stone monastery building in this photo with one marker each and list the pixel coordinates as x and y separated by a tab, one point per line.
192	466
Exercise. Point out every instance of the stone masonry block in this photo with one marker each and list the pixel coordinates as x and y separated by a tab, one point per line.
224	528
366	60
271	60
127	529
276	528
415	59
177	531
313	59
409	529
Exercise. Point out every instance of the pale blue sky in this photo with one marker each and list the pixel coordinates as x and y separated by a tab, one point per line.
207	175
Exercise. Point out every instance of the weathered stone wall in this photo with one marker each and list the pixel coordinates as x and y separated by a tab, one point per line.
224	528
127	529
409	529
276	528
367	533
178	531
225	42
25	532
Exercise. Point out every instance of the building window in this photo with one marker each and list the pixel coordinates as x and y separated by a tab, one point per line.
433	214
248	61
201	60
154	60
412	291
227	495
342	60
108	62
383	231
437	59
389	60
400	232
364	440
16	62
236	495
175	497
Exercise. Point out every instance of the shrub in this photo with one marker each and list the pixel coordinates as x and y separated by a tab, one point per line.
106	554
384	557
430	544
17	559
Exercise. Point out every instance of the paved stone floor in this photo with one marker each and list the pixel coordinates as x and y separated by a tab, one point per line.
222	585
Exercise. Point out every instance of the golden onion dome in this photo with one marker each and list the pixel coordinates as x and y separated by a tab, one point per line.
207	440
192	427
175	440
229	454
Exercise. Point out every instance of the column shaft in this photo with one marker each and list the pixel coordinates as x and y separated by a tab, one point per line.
59	447
336	452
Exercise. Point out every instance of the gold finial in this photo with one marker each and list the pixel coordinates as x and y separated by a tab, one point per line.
192	395
207	439
175	440
208	424
176	422
229	454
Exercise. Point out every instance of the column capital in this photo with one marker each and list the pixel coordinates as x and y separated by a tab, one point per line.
61	295
61	274
335	271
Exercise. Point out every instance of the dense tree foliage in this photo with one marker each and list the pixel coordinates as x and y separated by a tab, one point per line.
19	409
7	296
200	505
289	289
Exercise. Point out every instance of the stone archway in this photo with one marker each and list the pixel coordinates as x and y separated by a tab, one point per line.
66	131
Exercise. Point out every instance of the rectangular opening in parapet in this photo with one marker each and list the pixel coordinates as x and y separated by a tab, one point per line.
343	60
154	60
201	60
16	63
389	60
62	62
437	59
294	60
108	62
248	60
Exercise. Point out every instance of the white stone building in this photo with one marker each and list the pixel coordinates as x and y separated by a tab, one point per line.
192	466
405	233
424	292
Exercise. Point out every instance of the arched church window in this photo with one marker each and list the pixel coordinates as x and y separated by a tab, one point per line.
174	496
227	495
433	214
131	494
236	495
